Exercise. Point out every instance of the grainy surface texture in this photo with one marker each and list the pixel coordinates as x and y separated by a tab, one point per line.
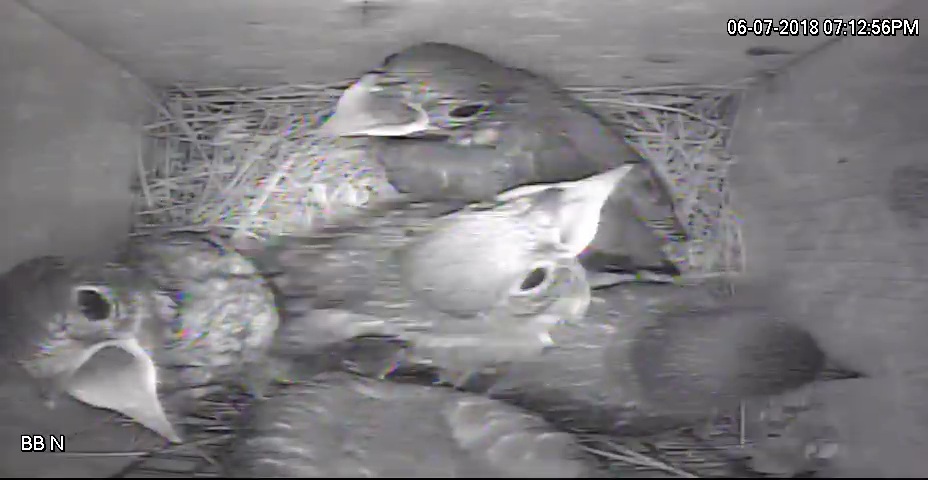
68	141
830	158
589	42
831	177
831	183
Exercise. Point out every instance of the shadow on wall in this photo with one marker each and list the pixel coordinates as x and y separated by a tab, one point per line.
830	180
69	140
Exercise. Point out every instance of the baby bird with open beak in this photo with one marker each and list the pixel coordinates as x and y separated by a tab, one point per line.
450	123
185	315
465	289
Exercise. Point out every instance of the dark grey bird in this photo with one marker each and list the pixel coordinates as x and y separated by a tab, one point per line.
650	357
177	317
339	425
464	288
450	123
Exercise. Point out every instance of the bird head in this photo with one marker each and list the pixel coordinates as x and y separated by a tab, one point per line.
89	330
429	88
524	243
446	122
482	284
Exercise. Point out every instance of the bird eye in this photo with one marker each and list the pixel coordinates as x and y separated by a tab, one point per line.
467	110
93	304
534	278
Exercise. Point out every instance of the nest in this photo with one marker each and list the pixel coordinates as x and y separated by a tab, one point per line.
249	161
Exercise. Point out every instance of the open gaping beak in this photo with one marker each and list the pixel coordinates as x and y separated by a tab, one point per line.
363	111
582	200
104	376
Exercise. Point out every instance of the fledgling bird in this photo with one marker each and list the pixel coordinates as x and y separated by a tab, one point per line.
340	425
187	314
464	289
450	123
650	357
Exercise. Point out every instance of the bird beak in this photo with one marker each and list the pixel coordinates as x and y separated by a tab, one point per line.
103	377
596	188
363	111
579	205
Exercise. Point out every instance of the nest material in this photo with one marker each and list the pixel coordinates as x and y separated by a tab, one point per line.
249	161
208	433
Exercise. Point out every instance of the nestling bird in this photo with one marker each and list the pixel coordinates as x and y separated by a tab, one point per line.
451	123
340	425
466	289
648	357
188	314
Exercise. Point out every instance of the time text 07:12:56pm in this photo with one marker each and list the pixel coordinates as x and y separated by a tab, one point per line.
828	27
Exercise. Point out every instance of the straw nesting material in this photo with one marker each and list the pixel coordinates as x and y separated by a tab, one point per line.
207	434
248	161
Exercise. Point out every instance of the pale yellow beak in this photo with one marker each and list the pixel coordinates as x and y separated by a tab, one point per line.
118	375
581	207
360	111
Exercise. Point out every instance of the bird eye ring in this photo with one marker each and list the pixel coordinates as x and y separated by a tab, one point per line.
93	303
536	279
467	110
